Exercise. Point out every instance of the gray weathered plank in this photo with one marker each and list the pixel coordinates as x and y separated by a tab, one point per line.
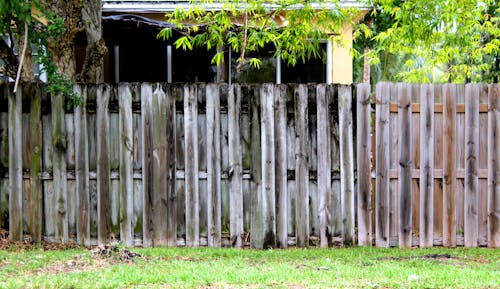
214	167
126	156
324	167
171	169
471	165
346	162
280	126
15	165
427	166
159	159
82	169
268	164
256	210
301	168
103	166
382	165
494	166
449	167
36	196
364	165
191	166
59	168
235	166
147	164
405	165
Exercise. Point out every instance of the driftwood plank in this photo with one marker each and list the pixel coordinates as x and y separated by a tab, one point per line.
103	166
214	167
147	164
301	168
449	168
15	165
382	165
59	168
171	168
268	164
82	170
427	166
36	196
471	165
235	166
324	167
191	166
494	166
364	165
159	159
346	162
256	207
126	173
405	165
280	125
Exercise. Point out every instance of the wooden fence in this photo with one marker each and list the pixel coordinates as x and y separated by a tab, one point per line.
262	165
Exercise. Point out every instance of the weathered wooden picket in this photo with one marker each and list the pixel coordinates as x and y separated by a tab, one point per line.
157	164
436	165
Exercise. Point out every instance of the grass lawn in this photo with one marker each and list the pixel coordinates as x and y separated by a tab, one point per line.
232	268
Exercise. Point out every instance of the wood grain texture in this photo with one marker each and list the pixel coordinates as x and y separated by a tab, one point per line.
82	170
364	164
191	166
449	166
235	166
256	206
268	165
405	165
36	193
147	164
382	165
301	167
214	167
427	166
471	165
126	169
280	127
171	200
494	166
103	166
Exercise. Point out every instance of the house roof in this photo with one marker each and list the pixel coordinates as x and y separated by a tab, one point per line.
162	6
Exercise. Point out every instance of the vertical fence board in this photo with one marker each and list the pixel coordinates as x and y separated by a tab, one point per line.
268	164
159	166
191	166
103	166
280	125
405	165
427	166
256	210
494	166
15	165
364	164
126	157
171	169
36	196
301	168
439	141
59	168
449	159
4	164
235	166
336	206
147	164
82	170
324	171
471	165
214	167
382	165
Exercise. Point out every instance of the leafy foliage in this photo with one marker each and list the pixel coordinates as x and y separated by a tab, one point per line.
293	29
435	40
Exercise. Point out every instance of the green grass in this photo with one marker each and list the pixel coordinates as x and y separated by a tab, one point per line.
231	268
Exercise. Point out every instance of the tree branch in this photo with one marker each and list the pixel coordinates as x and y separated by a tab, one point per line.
20	67
9	58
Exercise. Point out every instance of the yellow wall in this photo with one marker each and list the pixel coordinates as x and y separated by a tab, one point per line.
342	71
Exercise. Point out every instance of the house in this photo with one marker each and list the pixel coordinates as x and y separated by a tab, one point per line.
130	28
